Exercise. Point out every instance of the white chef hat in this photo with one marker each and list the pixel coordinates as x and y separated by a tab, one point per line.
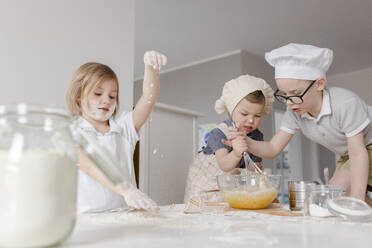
300	61
236	89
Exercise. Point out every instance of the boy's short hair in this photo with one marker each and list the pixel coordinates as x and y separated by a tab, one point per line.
86	78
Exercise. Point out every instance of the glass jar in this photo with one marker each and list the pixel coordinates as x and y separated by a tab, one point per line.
38	177
317	196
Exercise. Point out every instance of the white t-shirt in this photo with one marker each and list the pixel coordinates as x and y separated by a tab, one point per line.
121	140
343	115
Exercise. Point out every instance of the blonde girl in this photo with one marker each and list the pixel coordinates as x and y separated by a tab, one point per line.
93	98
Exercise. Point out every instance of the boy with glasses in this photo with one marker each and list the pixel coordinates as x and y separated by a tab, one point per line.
334	117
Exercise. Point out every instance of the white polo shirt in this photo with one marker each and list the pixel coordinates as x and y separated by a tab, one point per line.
343	115
121	140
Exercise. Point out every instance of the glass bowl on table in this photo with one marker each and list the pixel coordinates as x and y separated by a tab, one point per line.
249	191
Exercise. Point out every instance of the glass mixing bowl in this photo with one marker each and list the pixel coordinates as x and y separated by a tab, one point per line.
252	191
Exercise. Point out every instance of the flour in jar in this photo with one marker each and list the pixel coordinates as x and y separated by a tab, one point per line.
318	211
38	197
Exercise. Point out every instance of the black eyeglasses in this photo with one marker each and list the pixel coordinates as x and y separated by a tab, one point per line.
293	99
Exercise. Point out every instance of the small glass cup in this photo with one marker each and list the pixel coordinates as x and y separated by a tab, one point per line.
211	202
297	191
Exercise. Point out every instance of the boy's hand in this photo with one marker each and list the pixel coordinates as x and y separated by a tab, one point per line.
154	59
237	140
235	132
239	145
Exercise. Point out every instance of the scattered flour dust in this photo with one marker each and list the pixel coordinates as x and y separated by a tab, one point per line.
166	218
219	227
125	217
38	197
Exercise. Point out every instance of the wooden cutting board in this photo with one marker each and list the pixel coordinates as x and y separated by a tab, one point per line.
272	209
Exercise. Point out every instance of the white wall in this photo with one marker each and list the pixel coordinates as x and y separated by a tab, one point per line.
358	81
43	42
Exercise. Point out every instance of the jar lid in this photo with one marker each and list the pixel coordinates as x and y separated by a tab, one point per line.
350	208
327	188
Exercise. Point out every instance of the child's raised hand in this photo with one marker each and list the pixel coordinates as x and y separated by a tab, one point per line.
154	59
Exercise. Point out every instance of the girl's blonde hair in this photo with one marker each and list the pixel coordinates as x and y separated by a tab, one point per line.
86	79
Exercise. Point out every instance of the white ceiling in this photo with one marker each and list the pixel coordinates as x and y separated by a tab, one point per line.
192	30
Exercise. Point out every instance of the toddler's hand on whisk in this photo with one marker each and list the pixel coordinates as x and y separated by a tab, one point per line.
239	145
233	133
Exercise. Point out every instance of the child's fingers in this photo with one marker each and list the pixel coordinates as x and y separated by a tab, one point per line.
231	136
240	144
226	142
160	60
165	60
233	130
147	58
155	59
150	59
234	135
